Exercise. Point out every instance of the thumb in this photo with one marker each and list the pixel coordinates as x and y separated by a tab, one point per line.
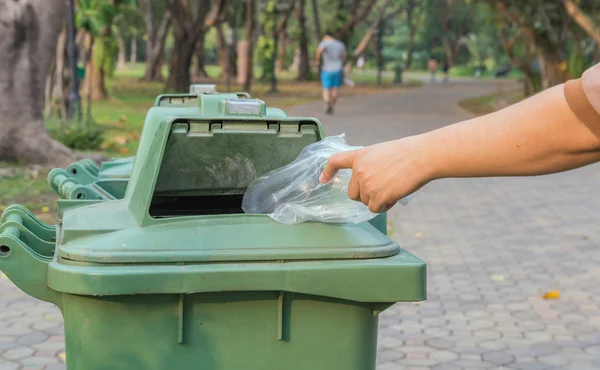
337	162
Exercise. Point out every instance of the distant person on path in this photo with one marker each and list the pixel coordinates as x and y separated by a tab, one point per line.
504	71
553	131
446	70
333	53
432	67
361	63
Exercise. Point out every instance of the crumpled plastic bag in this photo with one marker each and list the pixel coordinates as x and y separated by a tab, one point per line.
293	194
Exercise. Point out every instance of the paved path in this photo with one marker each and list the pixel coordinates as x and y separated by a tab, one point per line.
493	246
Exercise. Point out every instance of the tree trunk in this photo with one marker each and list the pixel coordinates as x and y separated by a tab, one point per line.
412	30
315	11
304	58
295	62
368	36
281	52
546	52
56	91
179	65
250	30
94	85
582	20
359	16
150	74
28	38
283	38
199	63
273	63
223	52
155	52
232	41
121	60
133	56
551	67
49	103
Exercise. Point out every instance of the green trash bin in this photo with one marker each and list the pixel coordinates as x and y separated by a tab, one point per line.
84	180
176	276
88	181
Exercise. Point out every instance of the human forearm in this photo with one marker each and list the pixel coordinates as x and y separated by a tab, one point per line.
538	136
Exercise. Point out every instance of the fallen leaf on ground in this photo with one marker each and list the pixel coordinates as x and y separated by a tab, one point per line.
419	235
121	140
553	294
45	209
62	356
497	277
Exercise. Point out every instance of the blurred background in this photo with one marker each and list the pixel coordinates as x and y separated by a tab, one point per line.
83	73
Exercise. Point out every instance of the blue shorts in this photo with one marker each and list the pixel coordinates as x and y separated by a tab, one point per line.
331	80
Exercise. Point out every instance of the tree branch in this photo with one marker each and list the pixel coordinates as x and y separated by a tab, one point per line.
362	45
286	17
217	15
361	16
582	20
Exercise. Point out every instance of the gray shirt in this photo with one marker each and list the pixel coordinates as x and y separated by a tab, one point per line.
333	54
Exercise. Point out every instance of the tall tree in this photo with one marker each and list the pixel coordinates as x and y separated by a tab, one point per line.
585	22
371	31
96	19
157	21
283	37
533	20
215	19
357	16
28	36
411	10
303	57
250	31
188	25
128	23
316	20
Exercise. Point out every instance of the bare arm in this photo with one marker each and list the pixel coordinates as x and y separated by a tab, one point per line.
318	55
540	135
537	136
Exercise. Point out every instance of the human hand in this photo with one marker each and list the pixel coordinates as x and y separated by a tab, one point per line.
384	173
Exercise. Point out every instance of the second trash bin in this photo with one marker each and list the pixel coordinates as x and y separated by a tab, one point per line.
175	276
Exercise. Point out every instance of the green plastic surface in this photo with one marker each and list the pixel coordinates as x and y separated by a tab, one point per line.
175	276
219	331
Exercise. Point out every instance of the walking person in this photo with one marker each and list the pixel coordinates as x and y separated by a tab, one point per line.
333	54
432	67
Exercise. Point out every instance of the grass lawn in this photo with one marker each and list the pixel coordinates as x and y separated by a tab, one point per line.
486	104
122	116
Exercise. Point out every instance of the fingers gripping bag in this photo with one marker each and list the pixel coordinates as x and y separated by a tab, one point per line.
293	194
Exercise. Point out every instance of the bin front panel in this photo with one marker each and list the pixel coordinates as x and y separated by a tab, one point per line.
225	331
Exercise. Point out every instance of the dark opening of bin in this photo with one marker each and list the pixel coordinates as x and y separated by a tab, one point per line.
207	165
169	206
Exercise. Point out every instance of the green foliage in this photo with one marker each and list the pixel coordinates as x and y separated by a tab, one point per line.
129	21
105	51
81	137
577	64
266	44
94	15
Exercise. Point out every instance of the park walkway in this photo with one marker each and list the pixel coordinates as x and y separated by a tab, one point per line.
493	247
